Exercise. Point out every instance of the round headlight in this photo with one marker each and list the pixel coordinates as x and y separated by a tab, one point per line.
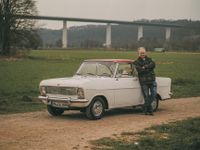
80	93
43	90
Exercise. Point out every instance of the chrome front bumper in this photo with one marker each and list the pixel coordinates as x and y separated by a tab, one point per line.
63	102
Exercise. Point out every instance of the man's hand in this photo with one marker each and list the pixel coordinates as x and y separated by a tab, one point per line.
145	67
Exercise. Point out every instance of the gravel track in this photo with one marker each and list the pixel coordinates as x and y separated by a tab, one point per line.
40	131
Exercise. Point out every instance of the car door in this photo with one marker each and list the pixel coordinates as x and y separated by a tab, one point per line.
127	88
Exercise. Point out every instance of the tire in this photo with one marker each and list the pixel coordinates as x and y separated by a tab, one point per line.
54	111
96	109
155	104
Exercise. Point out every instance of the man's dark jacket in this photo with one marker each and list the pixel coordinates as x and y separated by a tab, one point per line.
145	68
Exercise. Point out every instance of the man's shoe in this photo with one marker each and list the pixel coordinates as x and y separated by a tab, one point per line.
145	110
151	113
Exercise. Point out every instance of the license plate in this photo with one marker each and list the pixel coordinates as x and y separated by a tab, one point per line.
60	104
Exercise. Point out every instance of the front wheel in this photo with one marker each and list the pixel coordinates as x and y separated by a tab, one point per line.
54	111
96	109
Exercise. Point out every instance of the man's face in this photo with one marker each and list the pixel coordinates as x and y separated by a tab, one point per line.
142	53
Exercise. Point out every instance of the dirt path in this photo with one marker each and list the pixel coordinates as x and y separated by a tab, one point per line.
38	130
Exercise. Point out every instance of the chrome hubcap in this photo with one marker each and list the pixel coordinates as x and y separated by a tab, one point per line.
97	108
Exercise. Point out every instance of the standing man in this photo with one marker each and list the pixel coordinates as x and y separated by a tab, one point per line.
145	68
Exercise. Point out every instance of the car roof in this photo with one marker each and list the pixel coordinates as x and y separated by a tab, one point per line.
110	60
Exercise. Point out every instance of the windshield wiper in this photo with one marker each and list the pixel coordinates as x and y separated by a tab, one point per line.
87	74
105	75
78	74
91	74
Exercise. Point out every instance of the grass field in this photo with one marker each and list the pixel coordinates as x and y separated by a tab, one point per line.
182	135
19	78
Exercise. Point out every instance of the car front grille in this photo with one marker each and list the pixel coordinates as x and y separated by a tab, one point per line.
61	90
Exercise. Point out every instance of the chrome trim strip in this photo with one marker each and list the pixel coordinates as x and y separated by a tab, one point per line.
72	100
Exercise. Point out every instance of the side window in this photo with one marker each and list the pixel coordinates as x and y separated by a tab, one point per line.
125	70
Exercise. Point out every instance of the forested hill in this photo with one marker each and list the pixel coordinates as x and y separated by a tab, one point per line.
125	36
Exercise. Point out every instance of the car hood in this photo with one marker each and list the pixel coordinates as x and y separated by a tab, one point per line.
86	82
76	81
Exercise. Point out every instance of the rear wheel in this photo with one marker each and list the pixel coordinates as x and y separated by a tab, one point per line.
54	111
96	109
155	104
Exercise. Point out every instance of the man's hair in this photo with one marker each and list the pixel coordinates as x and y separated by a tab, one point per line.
141	48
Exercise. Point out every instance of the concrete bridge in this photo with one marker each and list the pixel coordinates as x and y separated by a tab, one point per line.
108	28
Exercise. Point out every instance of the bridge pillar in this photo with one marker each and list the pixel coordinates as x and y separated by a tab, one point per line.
64	34
168	34
108	35
140	32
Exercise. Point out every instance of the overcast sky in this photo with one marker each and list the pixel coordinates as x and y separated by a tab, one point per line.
127	10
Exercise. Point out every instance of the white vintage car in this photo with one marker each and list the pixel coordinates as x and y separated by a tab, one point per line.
99	85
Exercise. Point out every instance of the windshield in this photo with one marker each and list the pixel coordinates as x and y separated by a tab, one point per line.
97	69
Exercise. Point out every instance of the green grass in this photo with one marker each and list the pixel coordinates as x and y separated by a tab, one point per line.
19	79
182	135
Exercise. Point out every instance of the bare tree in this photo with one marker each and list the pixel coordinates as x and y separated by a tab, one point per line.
14	30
